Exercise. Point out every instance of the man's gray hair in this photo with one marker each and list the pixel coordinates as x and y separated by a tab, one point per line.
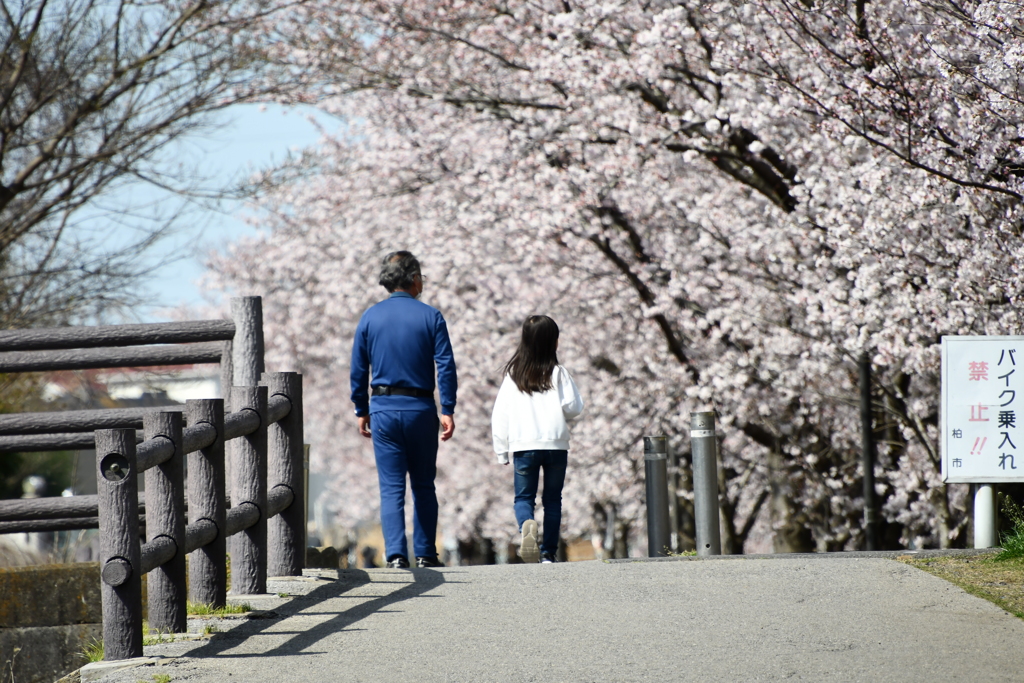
398	270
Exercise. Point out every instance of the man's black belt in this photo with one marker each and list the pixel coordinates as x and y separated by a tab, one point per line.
402	391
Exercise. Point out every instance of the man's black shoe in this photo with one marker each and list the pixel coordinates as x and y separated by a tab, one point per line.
428	562
398	562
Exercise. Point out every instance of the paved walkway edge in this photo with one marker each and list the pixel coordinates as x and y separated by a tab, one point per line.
94	671
854	554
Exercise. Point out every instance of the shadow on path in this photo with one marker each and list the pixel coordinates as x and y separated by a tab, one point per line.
417	583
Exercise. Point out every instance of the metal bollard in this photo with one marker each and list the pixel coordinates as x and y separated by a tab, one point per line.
705	483
985	516
656	472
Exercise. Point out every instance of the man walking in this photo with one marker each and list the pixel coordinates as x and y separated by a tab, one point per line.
401	340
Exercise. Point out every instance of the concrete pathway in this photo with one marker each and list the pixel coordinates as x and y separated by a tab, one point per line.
845	618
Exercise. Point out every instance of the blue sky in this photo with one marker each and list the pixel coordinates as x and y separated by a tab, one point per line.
252	138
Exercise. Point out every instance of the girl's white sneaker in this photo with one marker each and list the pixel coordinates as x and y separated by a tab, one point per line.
529	551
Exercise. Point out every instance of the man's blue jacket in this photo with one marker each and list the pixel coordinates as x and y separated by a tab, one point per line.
401	339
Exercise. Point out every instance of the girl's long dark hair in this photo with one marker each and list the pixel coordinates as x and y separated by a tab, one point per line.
535	359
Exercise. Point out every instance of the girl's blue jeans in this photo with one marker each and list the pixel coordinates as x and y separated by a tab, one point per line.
528	465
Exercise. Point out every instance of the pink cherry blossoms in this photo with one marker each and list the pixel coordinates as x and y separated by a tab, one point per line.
722	204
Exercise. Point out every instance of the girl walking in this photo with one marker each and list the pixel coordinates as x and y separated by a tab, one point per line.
535	401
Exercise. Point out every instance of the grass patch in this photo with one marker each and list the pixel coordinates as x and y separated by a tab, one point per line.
1012	541
996	577
1000	581
93	651
159	678
156	637
203	610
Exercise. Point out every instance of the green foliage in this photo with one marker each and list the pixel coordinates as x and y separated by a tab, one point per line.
56	468
155	638
20	393
1013	540
159	678
204	610
94	650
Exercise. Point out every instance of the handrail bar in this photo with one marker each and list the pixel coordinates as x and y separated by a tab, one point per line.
80	424
18	526
278	500
153	452
55	507
159	551
242	517
51	338
199	533
278	407
38	443
240	423
111	357
198	437
78	420
245	421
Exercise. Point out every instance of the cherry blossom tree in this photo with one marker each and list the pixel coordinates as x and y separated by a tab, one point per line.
722	204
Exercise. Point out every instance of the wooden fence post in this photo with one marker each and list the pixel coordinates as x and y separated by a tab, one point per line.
208	580
246	355
165	516
249	458
120	554
286	532
305	496
227	373
247	346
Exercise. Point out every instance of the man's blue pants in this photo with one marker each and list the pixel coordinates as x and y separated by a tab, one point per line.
405	441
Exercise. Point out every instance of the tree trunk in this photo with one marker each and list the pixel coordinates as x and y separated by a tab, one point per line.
791	536
731	544
600	532
685	522
945	521
621	547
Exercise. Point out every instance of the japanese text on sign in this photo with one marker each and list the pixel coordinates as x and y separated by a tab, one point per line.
982	396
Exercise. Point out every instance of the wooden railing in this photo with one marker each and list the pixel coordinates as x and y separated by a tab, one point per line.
266	517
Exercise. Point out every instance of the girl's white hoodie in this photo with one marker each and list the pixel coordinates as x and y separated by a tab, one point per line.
538	421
